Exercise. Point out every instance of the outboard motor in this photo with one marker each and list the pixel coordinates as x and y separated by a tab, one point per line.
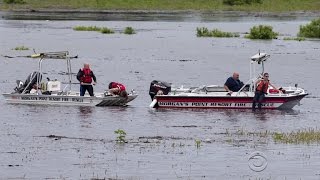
28	84
157	86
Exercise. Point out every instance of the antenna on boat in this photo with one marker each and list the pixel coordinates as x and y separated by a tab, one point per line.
262	64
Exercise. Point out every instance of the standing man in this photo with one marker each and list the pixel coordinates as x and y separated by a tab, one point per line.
233	84
261	90
85	76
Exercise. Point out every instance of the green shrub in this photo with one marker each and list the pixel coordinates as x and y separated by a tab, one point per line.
14	1
87	28
121	138
311	30
218	33
240	2
21	48
106	31
262	32
129	30
204	32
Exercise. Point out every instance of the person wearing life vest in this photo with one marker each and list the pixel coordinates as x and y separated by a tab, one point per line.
118	89
261	90
85	76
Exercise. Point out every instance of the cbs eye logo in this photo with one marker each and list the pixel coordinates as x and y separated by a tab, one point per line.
257	161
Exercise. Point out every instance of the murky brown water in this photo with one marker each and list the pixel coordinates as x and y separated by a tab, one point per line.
161	143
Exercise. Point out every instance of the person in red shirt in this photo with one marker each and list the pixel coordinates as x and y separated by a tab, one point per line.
85	76
117	89
261	90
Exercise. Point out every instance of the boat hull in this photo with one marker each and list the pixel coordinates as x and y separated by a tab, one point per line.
226	102
67	100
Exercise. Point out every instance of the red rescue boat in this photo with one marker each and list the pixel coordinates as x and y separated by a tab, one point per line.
214	96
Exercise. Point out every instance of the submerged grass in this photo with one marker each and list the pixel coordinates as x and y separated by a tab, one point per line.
87	28
106	30
305	136
103	30
294	39
202	5
300	137
204	32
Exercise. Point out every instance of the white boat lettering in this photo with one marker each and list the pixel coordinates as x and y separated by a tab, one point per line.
240	104
221	104
199	104
65	99
54	99
77	100
173	104
43	98
29	98
268	104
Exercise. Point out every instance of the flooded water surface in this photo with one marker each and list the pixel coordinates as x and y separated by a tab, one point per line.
54	142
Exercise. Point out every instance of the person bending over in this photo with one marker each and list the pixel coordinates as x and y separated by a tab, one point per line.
118	89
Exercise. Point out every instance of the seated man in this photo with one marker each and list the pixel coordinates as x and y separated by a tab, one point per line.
35	90
118	89
233	84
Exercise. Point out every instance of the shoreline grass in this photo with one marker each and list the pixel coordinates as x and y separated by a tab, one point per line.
198	5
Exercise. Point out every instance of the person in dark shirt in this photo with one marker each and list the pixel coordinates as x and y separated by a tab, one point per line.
85	76
233	84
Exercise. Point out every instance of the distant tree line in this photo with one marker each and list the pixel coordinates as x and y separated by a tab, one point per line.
241	2
14	1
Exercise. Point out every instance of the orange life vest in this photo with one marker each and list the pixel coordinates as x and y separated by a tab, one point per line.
263	86
86	77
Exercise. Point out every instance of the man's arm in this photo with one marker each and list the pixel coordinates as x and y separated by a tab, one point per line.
93	77
226	86
79	75
272	86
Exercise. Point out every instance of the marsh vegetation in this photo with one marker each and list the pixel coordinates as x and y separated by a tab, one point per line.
311	30
21	48
103	30
129	30
205	32
262	32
